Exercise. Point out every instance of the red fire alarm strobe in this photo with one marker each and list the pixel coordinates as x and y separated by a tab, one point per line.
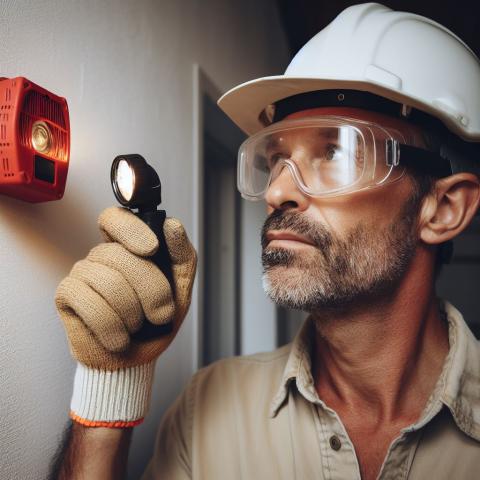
34	141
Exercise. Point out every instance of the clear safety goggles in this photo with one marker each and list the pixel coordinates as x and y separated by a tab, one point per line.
326	156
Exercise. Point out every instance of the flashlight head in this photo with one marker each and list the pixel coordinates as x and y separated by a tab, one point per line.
135	183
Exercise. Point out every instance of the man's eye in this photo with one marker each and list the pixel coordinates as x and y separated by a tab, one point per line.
333	153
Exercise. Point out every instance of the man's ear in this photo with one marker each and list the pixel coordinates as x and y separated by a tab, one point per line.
450	208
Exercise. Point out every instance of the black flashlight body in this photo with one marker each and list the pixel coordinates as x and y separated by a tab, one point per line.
146	196
155	220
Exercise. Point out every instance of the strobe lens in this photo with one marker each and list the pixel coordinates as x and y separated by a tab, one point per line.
41	137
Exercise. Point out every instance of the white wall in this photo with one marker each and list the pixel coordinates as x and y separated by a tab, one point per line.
258	312
126	69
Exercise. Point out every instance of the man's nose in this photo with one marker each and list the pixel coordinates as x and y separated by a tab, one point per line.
284	194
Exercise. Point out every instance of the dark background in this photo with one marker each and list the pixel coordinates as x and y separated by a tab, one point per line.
302	19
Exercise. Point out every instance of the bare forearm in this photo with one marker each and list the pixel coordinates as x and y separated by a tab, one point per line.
93	453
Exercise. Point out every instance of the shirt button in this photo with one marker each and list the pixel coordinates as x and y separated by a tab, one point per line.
335	443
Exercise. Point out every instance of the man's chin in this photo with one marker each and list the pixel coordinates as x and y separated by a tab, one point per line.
294	291
287	286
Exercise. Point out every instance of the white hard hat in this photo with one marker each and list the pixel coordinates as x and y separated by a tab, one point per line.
402	57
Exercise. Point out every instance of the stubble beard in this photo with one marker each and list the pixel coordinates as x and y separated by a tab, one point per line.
337	273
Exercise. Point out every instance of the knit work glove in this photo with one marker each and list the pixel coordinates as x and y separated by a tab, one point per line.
105	299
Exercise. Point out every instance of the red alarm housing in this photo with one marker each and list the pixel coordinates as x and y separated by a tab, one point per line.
34	141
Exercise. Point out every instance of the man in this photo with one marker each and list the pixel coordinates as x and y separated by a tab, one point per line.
364	152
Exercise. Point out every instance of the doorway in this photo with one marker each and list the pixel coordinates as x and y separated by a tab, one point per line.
231	313
221	275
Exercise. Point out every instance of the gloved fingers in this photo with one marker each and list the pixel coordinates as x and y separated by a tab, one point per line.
79	335
75	298
150	284
115	290
120	225
184	262
179	247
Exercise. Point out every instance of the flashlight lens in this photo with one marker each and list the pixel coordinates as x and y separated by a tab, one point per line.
41	137
125	178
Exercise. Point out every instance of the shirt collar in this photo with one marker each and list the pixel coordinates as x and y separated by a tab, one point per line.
458	386
298	368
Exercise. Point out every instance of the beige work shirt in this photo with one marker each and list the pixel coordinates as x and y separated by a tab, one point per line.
259	417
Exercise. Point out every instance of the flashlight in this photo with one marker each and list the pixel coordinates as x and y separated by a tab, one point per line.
136	185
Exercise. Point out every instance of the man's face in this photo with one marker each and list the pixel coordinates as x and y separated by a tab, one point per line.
334	253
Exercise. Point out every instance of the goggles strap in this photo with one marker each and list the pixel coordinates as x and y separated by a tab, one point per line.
447	162
442	164
425	161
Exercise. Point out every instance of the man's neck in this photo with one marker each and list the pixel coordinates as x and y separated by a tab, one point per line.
383	360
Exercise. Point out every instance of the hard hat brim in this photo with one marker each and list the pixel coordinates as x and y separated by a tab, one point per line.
245	103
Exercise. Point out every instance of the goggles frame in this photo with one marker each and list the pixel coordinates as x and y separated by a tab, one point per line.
399	151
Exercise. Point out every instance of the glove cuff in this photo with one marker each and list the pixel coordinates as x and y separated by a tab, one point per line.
103	398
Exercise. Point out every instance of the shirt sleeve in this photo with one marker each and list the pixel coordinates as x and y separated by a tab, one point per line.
173	446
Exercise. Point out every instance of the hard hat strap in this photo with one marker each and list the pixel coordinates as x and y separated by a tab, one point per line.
356	99
336	98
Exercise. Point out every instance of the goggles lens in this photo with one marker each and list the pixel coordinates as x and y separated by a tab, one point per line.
326	156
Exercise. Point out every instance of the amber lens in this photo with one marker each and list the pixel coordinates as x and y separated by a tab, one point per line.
41	137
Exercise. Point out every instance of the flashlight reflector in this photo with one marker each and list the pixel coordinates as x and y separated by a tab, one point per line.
125	178
41	137
135	183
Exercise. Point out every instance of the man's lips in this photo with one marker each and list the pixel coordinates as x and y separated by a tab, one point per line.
285	235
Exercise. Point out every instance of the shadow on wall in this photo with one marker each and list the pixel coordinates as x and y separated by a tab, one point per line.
49	232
